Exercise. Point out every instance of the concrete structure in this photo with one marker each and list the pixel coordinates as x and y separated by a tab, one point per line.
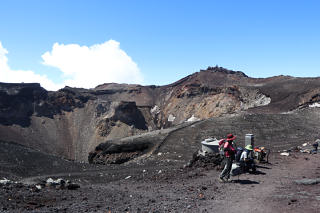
210	145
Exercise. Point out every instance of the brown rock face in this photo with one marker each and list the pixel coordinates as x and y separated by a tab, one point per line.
72	122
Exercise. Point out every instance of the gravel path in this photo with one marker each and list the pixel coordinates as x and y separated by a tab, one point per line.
179	190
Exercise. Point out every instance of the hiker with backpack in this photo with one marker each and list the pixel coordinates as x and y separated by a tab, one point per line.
239	151
229	153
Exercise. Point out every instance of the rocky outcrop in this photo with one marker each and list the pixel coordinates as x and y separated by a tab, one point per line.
18	102
111	153
225	71
128	113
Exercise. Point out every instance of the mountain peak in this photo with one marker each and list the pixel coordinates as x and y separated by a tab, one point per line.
225	71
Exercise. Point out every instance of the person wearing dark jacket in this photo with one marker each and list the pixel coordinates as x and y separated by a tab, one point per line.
229	153
315	147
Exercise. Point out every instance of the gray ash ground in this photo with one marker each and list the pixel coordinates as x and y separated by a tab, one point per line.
167	188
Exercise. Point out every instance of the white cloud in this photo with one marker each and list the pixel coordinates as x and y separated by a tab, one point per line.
88	67
82	66
18	76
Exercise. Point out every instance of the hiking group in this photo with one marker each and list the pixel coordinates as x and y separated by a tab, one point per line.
244	157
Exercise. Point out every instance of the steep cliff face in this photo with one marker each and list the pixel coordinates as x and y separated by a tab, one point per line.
72	122
17	102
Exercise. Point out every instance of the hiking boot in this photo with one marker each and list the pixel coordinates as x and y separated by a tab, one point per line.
221	180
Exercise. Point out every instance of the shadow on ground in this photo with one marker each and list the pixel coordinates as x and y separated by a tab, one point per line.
263	167
245	182
258	173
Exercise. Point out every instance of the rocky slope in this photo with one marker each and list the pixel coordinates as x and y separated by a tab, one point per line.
72	122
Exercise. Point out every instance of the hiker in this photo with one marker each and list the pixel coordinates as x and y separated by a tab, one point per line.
229	153
246	159
239	151
315	147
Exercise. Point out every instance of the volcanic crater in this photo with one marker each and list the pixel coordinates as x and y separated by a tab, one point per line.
128	145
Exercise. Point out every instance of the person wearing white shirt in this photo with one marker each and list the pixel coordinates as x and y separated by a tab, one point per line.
246	159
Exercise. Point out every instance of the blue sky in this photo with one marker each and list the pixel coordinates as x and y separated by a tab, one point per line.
167	40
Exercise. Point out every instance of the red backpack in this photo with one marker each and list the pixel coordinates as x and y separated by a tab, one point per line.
221	144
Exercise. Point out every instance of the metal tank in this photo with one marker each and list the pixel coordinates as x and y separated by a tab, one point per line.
249	140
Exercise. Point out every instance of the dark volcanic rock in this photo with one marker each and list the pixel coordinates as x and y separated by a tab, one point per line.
18	102
65	99
307	181
73	186
209	161
225	71
128	113
111	153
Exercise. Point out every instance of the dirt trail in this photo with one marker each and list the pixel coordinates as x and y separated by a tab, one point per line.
273	190
179	190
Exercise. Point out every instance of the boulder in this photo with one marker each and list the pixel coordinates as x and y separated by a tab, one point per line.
307	181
